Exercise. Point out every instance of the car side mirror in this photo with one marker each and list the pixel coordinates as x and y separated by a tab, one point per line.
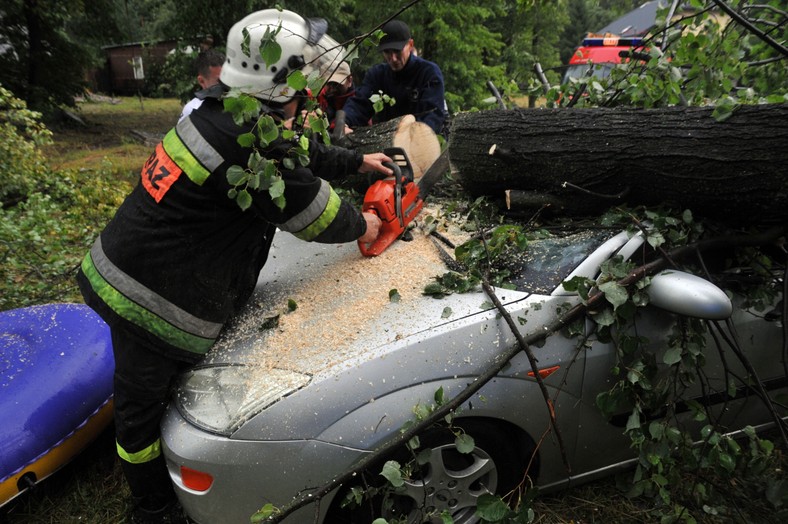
689	295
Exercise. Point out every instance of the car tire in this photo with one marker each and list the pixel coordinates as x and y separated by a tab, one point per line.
450	481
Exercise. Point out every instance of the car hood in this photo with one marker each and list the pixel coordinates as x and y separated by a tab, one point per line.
320	307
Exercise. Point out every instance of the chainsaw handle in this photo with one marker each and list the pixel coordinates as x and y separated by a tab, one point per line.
397	170
374	176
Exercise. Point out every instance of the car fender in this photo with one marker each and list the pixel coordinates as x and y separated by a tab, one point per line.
514	401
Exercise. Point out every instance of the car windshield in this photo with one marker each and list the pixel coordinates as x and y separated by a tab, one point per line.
547	262
581	71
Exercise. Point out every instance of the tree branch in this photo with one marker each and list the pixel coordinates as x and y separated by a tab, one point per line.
746	23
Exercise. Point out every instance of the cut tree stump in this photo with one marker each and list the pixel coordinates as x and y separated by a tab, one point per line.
583	161
417	139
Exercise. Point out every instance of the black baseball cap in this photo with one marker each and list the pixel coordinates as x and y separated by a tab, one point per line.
397	35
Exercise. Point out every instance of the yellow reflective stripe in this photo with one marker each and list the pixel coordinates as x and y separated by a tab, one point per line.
142	456
323	221
140	316
181	155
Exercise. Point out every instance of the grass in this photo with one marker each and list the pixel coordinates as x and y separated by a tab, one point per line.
112	130
88	490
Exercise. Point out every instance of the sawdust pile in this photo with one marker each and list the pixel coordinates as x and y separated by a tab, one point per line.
337	306
334	309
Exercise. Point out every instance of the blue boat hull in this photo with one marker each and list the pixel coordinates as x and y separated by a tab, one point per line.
56	369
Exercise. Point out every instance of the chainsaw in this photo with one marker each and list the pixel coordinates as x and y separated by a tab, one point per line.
395	200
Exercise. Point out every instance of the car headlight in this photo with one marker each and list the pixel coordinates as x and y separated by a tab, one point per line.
221	398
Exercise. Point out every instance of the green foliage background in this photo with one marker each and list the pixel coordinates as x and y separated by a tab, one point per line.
48	218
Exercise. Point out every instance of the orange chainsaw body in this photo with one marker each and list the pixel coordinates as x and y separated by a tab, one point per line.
395	200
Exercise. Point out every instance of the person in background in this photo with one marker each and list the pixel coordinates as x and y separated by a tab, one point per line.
180	257
336	91
416	84
208	66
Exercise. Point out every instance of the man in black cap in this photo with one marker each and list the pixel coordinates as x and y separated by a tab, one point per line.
415	84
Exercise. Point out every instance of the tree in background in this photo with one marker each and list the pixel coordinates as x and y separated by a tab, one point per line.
46	47
454	35
539	25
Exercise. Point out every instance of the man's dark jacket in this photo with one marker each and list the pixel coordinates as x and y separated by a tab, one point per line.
418	90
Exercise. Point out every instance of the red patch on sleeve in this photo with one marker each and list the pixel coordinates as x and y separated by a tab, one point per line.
159	173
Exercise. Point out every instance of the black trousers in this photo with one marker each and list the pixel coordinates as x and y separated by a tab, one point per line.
143	381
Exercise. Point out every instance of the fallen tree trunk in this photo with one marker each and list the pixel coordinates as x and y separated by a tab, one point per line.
582	161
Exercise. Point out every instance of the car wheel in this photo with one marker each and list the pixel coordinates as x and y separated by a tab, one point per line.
450	481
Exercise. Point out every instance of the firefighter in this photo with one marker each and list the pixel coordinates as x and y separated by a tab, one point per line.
180	256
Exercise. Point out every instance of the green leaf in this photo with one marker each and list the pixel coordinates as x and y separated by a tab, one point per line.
394	295
254	181
267	130
392	472
439	396
465	443
727	462
421	411
291	305
270	50
277	188
656	430
246	139
606	317
244	199
270	323
672	356
724	109
236	175
266	511
270	171
245	42
446	312
257	161
633	422
615	293
491	508
435	289
297	80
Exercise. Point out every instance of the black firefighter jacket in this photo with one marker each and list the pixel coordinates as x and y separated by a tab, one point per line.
180	256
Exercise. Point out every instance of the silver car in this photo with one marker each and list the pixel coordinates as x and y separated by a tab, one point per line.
336	352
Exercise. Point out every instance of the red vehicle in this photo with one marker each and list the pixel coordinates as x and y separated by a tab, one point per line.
600	54
603	49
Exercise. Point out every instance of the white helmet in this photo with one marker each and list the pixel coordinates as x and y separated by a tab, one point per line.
304	44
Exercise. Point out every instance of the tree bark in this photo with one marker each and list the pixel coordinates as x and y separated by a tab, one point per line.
582	161
417	139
